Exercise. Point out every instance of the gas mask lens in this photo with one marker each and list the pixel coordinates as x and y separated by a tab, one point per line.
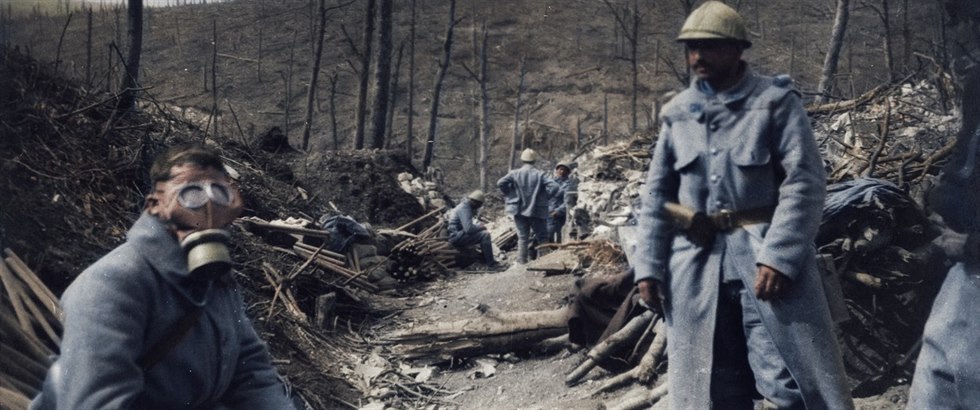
197	194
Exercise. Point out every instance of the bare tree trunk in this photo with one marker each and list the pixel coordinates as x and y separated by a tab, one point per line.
833	52
382	76
410	133
447	49
634	50
393	97
214	76
61	39
631	33
258	58
314	77
127	99
288	78
906	36
365	69
88	47
333	111
886	39
484	116
517	115
605	119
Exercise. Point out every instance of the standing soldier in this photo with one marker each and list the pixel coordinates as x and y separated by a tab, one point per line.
946	374
743	300
558	203
526	191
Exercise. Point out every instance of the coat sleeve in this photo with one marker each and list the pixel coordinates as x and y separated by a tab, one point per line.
796	219
255	384
506	184
465	214
105	322
656	232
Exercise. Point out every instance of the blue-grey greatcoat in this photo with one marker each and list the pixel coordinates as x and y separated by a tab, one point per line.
123	304
526	191
748	147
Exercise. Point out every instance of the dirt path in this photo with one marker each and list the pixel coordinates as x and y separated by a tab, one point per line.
523	381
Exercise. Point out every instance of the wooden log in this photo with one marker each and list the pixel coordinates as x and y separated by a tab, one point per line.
13	399
21	368
317	233
14	293
21	341
419	219
629	333
492	333
641	398
47	298
645	370
324	252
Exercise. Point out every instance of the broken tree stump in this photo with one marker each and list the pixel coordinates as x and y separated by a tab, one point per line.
629	333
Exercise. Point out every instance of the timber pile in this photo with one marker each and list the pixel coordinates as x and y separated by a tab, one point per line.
506	240
423	257
30	325
880	242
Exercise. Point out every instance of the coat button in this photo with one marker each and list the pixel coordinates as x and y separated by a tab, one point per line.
713	126
715	178
714	151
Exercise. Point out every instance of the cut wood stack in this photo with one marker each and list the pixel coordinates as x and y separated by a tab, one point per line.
335	264
507	240
424	256
30	325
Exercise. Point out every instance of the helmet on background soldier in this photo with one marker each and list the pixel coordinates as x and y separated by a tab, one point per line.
715	20
477	196
529	155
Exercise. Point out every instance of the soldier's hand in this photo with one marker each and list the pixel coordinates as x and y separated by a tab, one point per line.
651	293
702	231
770	283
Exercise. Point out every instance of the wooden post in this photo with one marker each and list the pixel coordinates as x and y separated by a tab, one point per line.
363	80
379	115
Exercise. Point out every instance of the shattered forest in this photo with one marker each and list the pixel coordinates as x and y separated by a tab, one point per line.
343	257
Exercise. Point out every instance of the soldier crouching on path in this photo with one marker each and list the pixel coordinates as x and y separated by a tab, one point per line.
464	231
744	304
526	192
159	322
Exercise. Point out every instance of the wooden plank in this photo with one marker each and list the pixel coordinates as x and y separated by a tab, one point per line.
47	298
14	294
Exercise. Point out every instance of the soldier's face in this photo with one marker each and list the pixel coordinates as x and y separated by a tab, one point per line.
561	172
715	61
194	199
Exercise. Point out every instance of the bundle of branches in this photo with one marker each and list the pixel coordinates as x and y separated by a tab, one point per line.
30	324
902	134
880	241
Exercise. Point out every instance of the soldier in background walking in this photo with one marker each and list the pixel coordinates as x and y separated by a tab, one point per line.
526	192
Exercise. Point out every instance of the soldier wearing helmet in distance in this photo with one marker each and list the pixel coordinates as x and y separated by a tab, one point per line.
746	312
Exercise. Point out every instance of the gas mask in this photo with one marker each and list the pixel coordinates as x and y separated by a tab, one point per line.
204	208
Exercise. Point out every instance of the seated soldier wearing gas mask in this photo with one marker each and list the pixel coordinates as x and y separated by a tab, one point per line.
159	322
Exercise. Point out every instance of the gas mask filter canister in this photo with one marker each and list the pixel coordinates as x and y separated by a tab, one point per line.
207	253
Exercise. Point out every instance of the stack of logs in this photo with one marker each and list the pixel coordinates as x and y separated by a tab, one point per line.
347	269
423	256
29	324
507	240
